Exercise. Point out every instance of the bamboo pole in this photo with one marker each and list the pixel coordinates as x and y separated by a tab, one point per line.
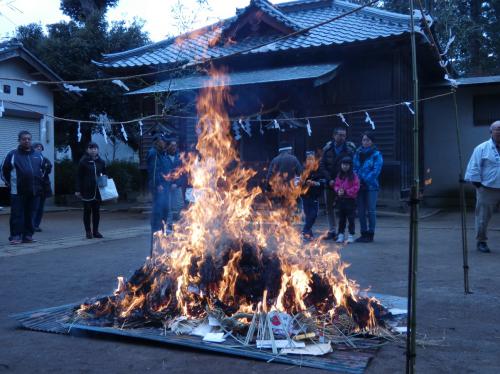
414	212
463	204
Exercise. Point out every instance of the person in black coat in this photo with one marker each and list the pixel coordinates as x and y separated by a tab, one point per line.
90	168
47	189
22	174
315	184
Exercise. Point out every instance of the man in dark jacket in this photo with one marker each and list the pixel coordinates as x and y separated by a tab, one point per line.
46	190
158	166
329	166
282	170
22	173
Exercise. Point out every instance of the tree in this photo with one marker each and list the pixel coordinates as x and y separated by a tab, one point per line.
475	25
69	48
83	10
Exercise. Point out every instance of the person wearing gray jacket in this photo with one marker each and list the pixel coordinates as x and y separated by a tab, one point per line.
483	171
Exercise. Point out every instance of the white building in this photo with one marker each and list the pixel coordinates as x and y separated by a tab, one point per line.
25	107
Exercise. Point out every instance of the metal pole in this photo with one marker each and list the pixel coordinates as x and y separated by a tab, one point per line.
463	204
414	212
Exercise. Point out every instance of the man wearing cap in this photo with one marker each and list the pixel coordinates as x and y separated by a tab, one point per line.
329	167
22	173
282	169
483	171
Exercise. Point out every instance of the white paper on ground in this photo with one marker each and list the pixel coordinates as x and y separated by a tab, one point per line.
311	349
214	337
201	330
213	321
282	343
396	311
400	329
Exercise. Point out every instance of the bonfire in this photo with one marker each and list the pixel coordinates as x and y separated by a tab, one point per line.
228	265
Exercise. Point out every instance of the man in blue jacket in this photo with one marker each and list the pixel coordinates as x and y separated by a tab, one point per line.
22	173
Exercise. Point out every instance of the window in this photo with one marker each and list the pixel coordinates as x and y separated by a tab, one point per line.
6	88
20	91
486	109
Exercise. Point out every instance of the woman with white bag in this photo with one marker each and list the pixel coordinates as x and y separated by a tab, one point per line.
91	171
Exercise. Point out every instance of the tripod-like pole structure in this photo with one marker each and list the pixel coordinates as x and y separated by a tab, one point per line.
414	212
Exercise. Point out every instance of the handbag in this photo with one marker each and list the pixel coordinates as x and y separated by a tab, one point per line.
102	181
109	192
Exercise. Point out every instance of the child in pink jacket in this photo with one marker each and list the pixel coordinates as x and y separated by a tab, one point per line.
346	187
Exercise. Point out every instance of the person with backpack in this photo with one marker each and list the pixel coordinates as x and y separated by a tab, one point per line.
46	187
368	164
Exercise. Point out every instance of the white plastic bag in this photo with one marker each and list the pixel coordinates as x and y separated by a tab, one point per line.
108	192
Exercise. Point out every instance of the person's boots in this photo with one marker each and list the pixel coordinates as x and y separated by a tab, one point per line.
97	235
362	238
88	234
369	237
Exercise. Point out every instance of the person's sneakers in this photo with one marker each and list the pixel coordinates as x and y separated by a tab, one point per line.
28	239
15	240
340	238
97	235
350	239
38	229
369	237
483	247
330	236
88	234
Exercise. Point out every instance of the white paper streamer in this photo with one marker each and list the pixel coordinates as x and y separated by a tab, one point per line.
369	120
276	125
2	109
124	133
29	84
450	40
119	83
140	127
72	88
248	127
408	105
308	126
261	130
453	82
341	116
443	63
79	132
104	134
236	129
43	128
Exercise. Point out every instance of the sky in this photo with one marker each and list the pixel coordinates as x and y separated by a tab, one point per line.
156	14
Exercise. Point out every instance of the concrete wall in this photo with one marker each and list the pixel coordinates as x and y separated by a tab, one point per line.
440	142
36	98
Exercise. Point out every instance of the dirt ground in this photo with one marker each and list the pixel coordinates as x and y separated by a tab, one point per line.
462	332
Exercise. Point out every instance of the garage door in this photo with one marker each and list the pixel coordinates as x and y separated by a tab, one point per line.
10	127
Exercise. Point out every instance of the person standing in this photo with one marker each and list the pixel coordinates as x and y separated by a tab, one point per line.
47	189
368	164
483	171
175	192
310	202
282	173
22	173
158	185
329	166
346	188
90	168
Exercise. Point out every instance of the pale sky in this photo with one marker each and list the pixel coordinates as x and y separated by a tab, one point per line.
156	13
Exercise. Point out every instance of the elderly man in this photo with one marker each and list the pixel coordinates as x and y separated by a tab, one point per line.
22	173
329	166
484	173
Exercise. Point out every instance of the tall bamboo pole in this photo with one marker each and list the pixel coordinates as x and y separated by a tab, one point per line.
414	212
463	204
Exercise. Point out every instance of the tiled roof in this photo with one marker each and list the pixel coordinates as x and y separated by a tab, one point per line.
367	24
193	82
